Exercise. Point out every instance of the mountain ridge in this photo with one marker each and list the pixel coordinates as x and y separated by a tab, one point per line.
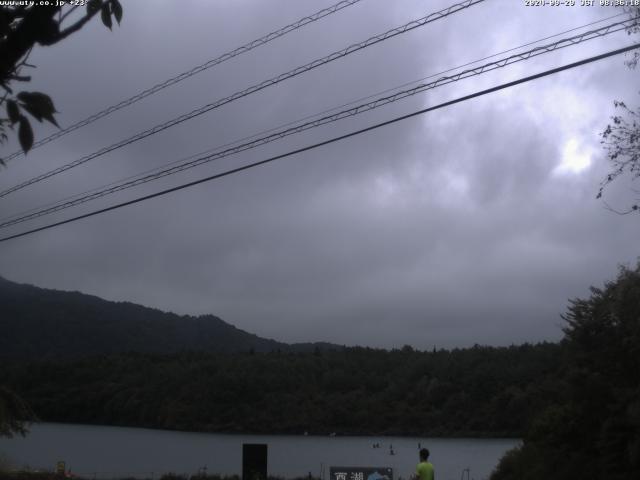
45	323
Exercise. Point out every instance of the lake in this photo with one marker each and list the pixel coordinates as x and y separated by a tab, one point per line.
110	452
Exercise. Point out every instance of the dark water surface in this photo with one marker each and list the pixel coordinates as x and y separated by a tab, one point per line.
108	452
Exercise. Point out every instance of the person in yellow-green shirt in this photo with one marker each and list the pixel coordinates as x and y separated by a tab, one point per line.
424	470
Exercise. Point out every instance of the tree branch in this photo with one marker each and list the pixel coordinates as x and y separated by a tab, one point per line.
66	14
618	212
21	40
78	25
20	78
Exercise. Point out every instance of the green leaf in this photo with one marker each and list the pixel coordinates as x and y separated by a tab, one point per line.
50	118
34	113
39	105
106	15
25	134
43	115
13	111
116	8
38	100
93	6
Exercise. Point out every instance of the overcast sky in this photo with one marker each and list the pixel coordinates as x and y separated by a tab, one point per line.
470	224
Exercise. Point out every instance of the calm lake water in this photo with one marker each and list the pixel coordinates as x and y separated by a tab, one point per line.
108	452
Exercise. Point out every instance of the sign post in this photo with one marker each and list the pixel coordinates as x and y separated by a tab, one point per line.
254	461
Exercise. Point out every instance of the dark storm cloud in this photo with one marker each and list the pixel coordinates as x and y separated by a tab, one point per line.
449	229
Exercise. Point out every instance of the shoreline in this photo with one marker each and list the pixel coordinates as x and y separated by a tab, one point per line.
330	434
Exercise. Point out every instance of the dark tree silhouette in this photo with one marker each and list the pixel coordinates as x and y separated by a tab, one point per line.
22	27
621	138
14	414
592	429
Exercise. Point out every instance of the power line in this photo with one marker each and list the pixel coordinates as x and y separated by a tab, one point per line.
293	122
331	140
255	88
139	180
313	115
194	71
403	85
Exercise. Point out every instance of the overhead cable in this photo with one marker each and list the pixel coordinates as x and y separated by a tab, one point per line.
190	73
255	88
194	162
293	122
329	141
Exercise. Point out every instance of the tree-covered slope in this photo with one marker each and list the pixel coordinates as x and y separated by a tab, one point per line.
591	427
480	391
42	323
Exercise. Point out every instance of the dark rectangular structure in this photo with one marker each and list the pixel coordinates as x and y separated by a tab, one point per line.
360	473
254	461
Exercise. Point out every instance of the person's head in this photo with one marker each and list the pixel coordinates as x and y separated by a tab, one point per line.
424	454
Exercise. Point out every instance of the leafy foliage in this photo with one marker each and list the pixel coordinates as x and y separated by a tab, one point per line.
21	28
14	414
622	142
593	429
39	105
634	14
621	138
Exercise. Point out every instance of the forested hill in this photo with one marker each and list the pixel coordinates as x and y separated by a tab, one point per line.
480	391
38	323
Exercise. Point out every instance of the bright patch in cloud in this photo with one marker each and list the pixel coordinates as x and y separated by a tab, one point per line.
385	189
458	184
574	158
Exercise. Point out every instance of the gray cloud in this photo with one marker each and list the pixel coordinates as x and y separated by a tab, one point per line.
450	229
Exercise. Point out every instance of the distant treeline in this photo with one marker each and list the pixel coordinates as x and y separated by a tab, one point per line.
479	391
